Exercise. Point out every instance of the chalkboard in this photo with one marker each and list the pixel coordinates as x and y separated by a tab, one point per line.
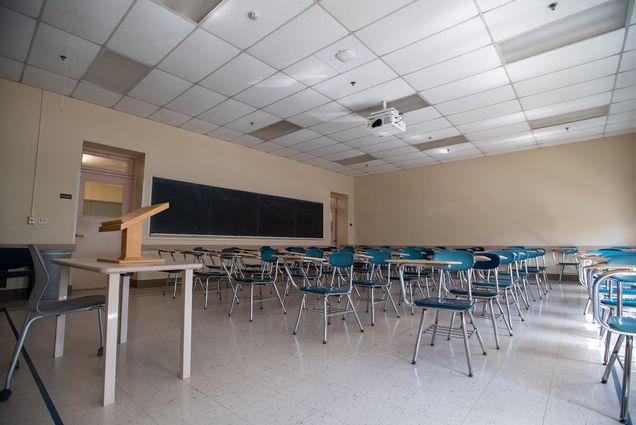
201	210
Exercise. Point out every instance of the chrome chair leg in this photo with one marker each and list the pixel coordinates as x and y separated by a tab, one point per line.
613	358
235	290
324	320
280	299
435	327
390	297
505	316
251	302
465	335
420	329
494	323
355	313
481	341
6	392
627	372
515	298
100	323
608	345
300	312
587	305
372	291
450	327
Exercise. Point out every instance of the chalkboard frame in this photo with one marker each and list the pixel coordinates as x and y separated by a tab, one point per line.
302	219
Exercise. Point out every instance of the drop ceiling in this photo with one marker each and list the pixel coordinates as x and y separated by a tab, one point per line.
476	77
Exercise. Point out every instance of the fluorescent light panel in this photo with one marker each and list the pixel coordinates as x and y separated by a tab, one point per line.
195	10
589	23
569	117
278	129
435	144
115	72
356	159
403	104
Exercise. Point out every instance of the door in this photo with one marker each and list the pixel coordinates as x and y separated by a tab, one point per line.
334	221
106	185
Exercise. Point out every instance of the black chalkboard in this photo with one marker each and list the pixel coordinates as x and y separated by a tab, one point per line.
197	209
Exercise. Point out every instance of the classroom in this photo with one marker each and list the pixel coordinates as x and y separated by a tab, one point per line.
317	211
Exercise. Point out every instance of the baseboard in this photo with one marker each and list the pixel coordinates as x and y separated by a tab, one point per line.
147	283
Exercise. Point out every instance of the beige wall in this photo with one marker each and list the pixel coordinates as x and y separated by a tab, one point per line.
170	153
579	194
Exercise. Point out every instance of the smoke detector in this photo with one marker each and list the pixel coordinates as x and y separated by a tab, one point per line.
346	55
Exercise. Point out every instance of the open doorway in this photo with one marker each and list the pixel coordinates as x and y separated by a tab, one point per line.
339	217
110	187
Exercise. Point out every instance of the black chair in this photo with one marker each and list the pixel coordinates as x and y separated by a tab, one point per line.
12	259
37	308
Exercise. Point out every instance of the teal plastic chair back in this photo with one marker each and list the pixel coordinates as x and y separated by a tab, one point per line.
466	259
269	255
229	250
380	257
411	254
492	263
624	260
505	256
569	249
296	249
341	259
315	253
348	249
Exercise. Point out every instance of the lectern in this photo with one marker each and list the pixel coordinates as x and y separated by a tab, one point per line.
130	227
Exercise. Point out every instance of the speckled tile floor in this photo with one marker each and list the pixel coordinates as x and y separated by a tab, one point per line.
259	373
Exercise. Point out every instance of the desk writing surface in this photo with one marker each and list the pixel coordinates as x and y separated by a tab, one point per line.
91	264
423	262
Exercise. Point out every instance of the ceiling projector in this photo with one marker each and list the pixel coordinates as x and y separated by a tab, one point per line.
387	121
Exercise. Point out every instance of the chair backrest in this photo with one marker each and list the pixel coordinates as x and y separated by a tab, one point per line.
466	259
517	247
505	257
379	257
411	253
296	249
315	253
341	259
624	260
492	263
41	279
230	249
568	249
427	252
348	249
269	255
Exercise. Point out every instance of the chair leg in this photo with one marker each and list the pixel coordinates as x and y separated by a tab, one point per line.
465	335
587	305
324	320
627	371
481	341
608	344
515	298
300	312
494	322
390	297
251	302
450	327
207	287
355	313
174	292
613	358
420	329
435	327
6	392
505	316
280	299
561	272
372	293
100	323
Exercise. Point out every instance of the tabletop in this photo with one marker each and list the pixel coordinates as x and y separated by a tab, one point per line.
91	264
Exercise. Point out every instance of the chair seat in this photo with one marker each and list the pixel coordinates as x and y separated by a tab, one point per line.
254	280
325	290
298	273
406	278
506	275
622	324
535	269
502	285
479	293
626	291
612	302
444	303
564	263
374	283
89	302
210	274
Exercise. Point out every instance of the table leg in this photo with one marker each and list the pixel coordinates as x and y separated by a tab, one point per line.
110	351
60	322
186	329
123	315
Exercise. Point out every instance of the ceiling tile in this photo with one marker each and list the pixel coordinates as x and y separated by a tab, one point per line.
472	63
351	133
355	14
467	86
266	147
305	34
626	79
429	136
426	126
331	149
199	126
568	130
269	90
569	106
630	42
93	20
628	105
10	69
498	132
623	117
169	117
314	144
159	87
486	112
310	71
628	125
628	60
139	38
363	54
237	75
253	121
284	152
370	139
625	93
301	156
226	112
457	156
97	95
247	140
230	21
522	137
500	121
489	97
16	31
566	77
28	7
415	22
365	76
419	115
383	146
339	156
136	107
115	72
299	102
50	43
198	55
338	124
411	156
455	41
391	90
485	5
48	80
320	114
396	152
491	150
195	100
225	133
523	15
574	54
574	91
296	137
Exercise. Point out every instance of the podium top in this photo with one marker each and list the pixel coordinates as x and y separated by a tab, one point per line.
133	218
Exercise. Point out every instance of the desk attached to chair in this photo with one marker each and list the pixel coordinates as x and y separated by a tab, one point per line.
114	272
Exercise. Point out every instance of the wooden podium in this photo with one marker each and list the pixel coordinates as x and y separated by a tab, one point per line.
130	227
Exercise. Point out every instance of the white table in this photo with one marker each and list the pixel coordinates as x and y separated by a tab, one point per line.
114	271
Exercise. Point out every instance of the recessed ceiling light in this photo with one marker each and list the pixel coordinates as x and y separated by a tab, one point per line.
441	143
115	72
589	23
278	129
356	160
346	55
598	111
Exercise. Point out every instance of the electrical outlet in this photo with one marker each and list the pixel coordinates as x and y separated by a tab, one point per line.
42	220
30	219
